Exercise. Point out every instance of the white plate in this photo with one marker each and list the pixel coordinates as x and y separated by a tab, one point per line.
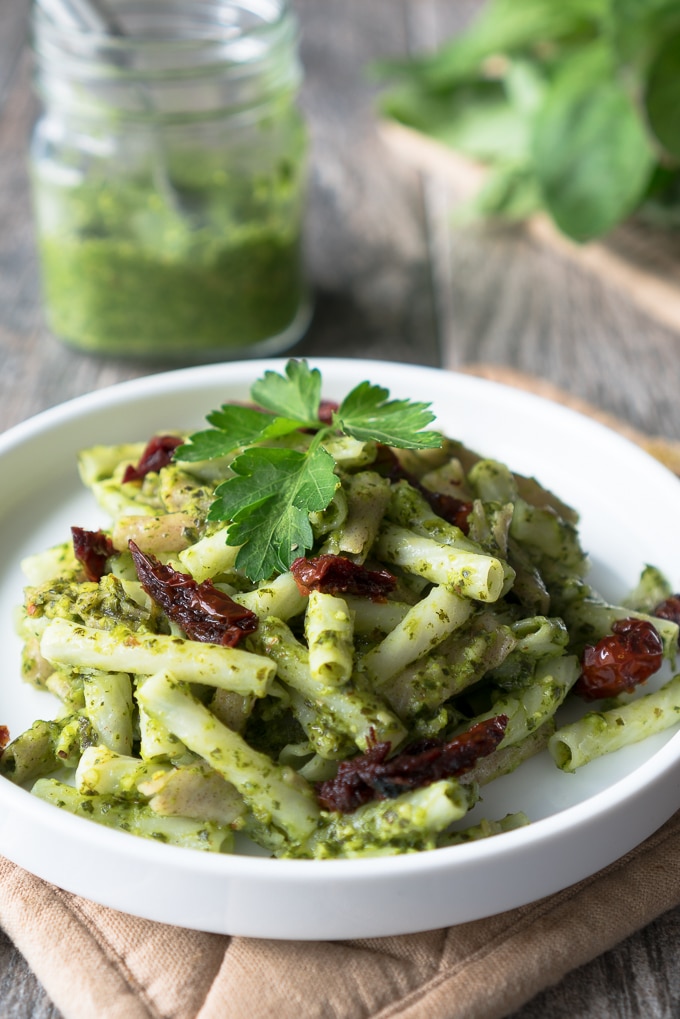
630	508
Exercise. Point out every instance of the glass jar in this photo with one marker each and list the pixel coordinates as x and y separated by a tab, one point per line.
168	172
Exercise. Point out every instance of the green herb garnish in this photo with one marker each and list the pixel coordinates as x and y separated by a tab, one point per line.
274	487
572	106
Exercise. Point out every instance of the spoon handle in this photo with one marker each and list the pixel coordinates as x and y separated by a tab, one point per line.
83	15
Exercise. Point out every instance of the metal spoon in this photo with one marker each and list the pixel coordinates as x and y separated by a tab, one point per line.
96	17
83	15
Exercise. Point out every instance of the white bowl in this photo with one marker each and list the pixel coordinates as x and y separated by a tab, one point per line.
630	507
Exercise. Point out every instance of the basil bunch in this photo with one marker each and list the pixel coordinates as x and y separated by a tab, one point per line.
574	105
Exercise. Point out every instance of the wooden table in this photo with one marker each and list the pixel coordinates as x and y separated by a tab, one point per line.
393	280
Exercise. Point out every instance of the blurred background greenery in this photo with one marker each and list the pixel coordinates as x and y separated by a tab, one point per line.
572	105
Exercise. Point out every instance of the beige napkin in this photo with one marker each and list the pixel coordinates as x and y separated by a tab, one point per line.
95	962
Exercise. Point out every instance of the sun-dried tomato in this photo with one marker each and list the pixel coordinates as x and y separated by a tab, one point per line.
4	737
389	466
203	611
352	787
371	776
327	409
92	549
669	609
158	454
334	574
449	508
629	655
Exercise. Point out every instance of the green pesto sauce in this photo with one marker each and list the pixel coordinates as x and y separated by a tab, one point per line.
213	265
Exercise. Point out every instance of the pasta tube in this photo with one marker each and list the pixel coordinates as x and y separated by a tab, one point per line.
169	532
484	830
603	732
423	627
102	771
108	706
357	713
410	509
535	703
117	650
406	823
42	749
367	497
280	800
459	662
492	481
375	616
280	597
469	574
589	618
136	818
329	631
210	556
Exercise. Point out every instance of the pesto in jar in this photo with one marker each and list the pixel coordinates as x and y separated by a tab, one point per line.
209	267
168	168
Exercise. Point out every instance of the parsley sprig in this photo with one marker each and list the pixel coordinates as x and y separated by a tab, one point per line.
273	489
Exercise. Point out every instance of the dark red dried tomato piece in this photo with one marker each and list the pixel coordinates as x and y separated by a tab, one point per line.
351	787
158	454
4	737
453	510
327	409
371	776
334	574
669	609
629	655
203	611
388	465
92	549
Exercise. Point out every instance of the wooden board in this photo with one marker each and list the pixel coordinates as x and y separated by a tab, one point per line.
642	262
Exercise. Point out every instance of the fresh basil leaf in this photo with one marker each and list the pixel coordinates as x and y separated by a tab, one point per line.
661	206
662	95
636	27
503	26
474	118
509	193
525	84
592	155
295	395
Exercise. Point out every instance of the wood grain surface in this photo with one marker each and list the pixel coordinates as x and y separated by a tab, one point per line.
393	280
634	259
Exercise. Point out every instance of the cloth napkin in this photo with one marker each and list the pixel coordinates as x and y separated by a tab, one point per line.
96	962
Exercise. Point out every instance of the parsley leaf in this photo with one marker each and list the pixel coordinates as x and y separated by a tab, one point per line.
269	502
296	395
235	426
273	489
368	414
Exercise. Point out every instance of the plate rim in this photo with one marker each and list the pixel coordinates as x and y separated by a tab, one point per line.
663	761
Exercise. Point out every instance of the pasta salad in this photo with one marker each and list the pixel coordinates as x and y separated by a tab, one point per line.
324	628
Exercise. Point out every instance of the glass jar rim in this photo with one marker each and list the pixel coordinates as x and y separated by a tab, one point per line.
218	33
246	59
233	47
